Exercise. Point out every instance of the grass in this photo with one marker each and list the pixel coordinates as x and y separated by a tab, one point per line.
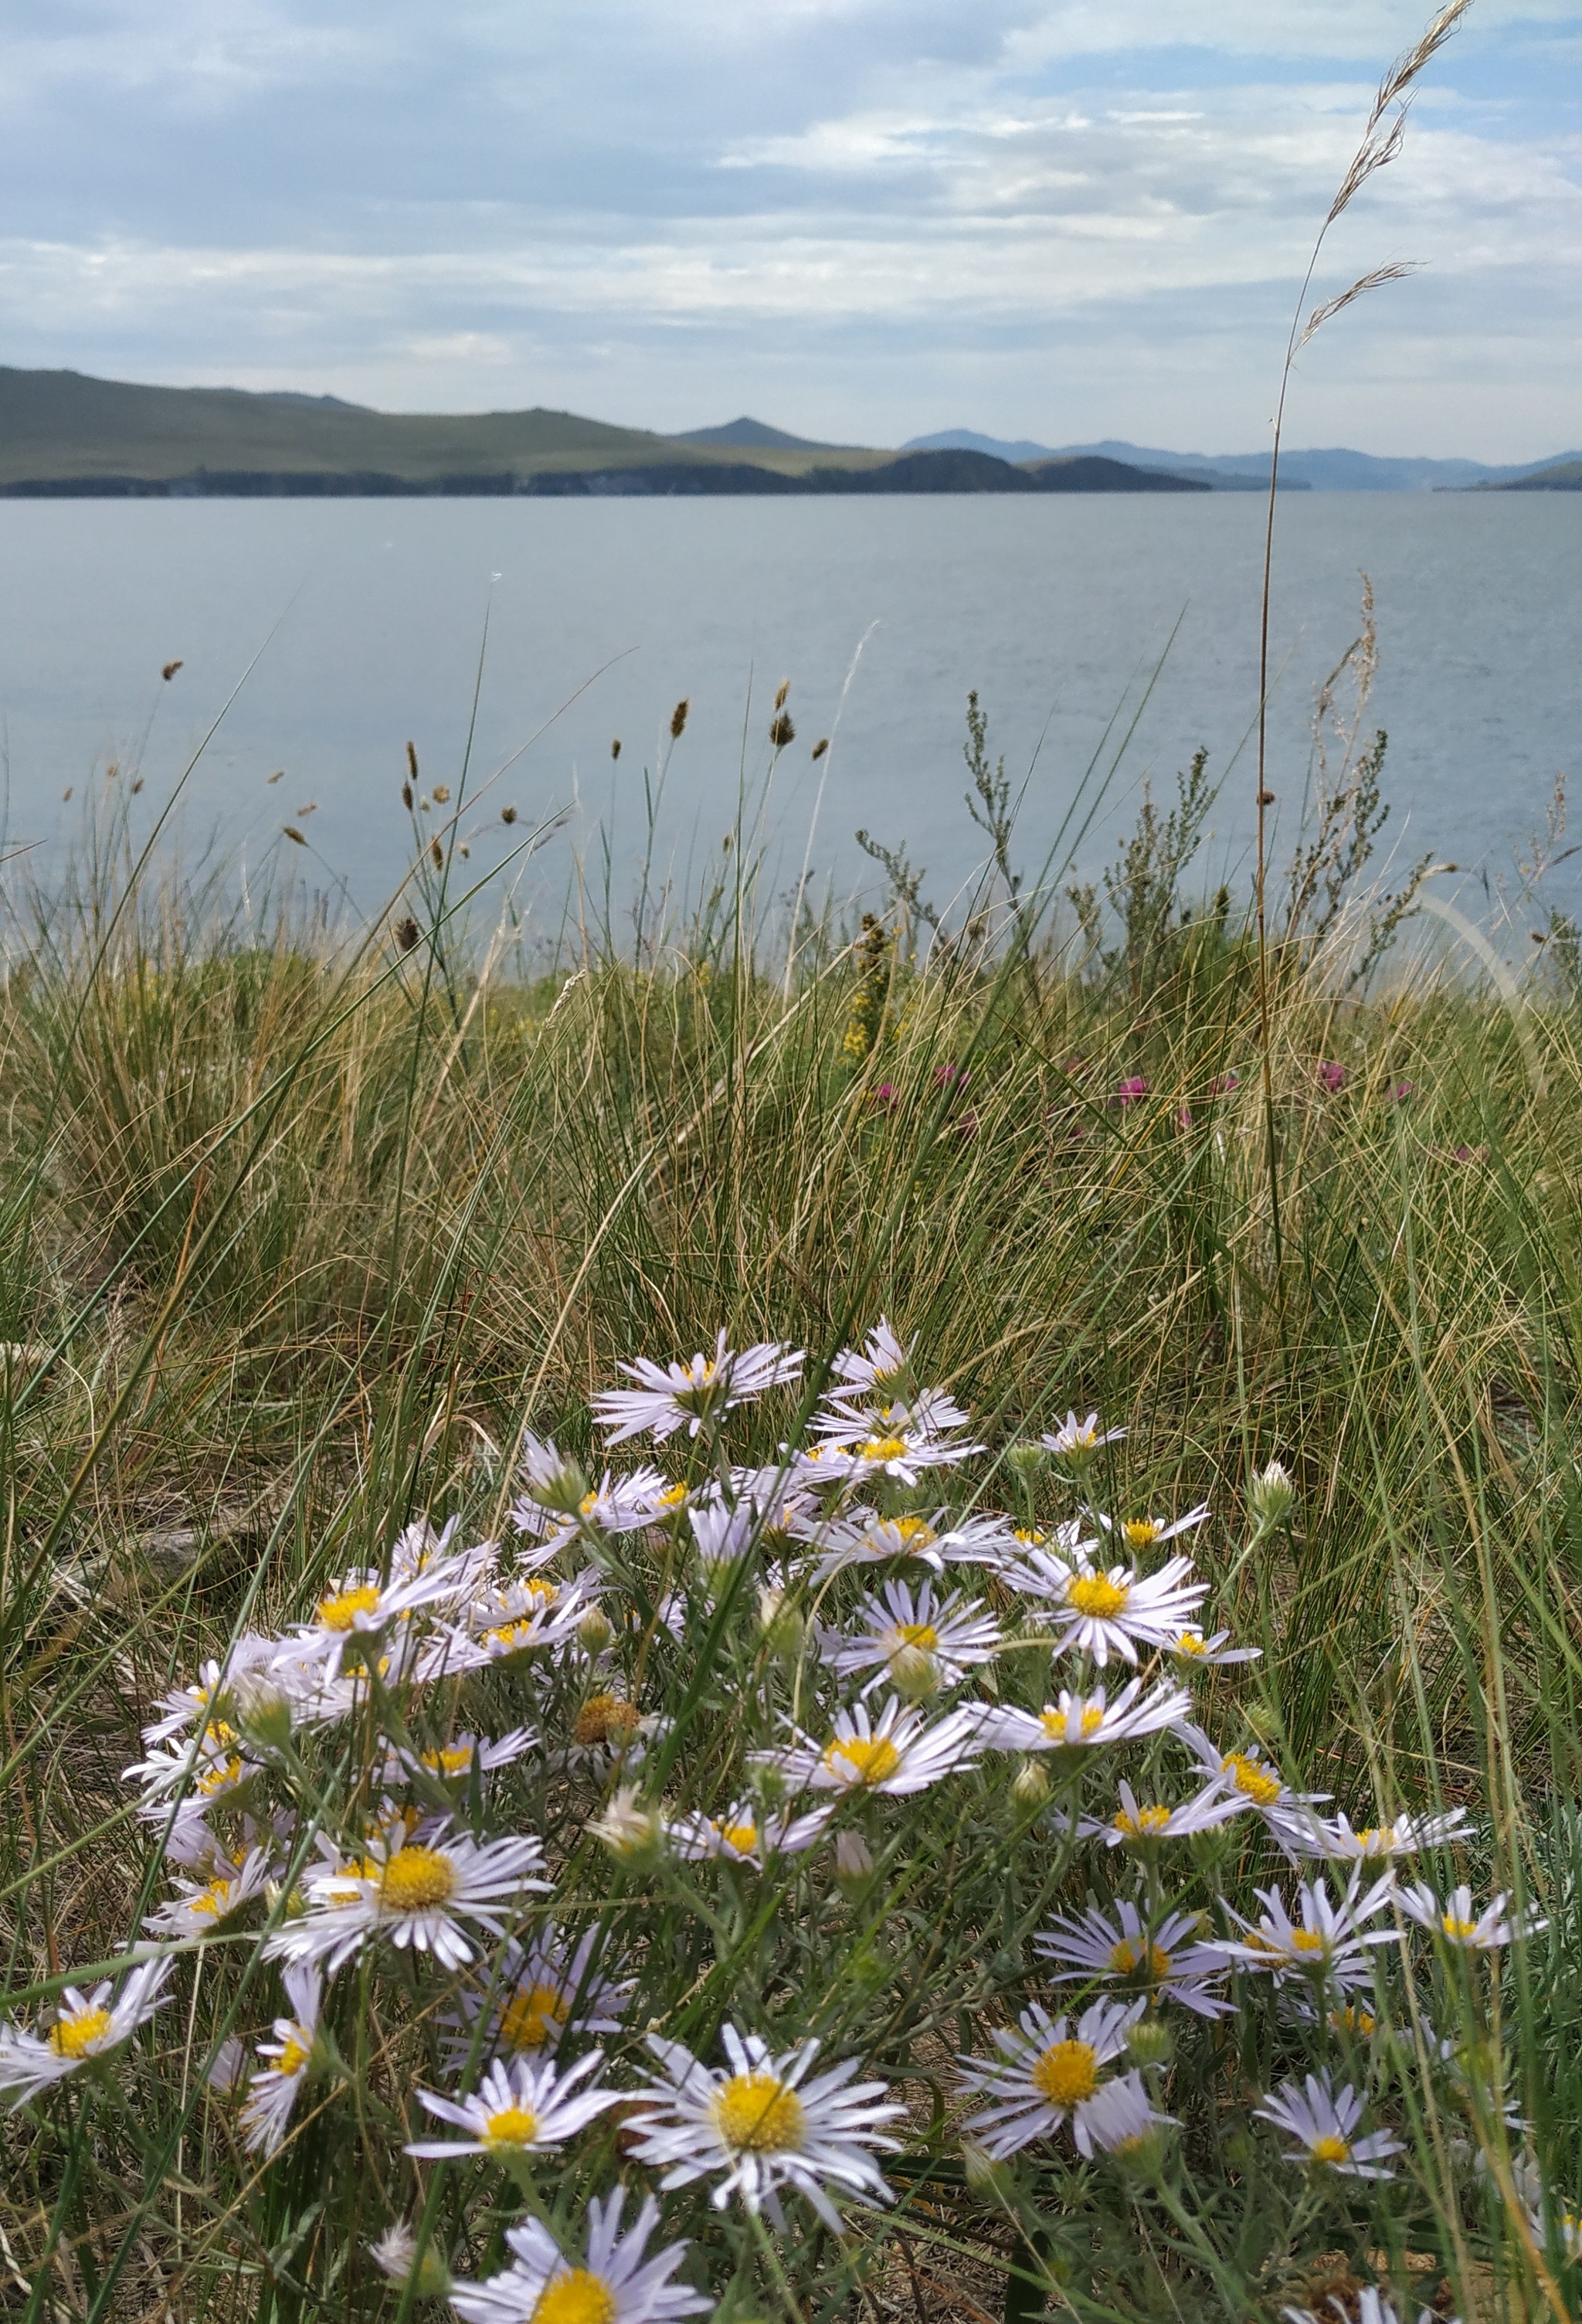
300	1235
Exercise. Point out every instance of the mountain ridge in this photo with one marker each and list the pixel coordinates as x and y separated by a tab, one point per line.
1331	468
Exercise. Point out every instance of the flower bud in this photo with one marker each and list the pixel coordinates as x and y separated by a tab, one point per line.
853	1861
563	1490
262	1711
982	2173
1027	1464
914	1672
1150	2044
781	1626
1031	1786
1271	1495
595	1632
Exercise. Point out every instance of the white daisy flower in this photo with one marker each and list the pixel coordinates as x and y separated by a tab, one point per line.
863	1537
1110	1613
1330	1940
615	1504
535	1996
274	2089
532	1615
880	1364
454	1762
200	1908
1045	2075
415	1894
1371	2308
1119	2117
675	1396
898	1755
395	2254
847	1416
87	2026
1077	1722
1164	1958
1459	1924
616	2284
891	1450
1078	1440
419	1550
195	1705
1143	1534
1192	1650
628	1828
744	1834
1144	1823
724	1538
521	2108
363	1604
608	1732
1253	1779
1566	2223
1335	1837
910	1639
1323	2123
763	2123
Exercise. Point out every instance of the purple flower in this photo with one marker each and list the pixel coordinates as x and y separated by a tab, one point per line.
1470	1153
1331	1076
1131	1091
1401	1090
884	1099
1223	1084
949	1076
1183	1117
967	1123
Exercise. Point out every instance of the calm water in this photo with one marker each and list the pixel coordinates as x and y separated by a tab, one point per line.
370	617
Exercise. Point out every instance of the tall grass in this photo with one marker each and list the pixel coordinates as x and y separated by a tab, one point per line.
300	1236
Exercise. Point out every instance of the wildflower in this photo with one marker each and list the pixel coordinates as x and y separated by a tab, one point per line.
1045	2076
863	1537
1331	1076
880	1364
1566	2222
1223	1084
86	2027
1400	1090
362	1605
1145	1824
520	2109
1270	1495
676	1396
1110	1613
898	1755
1323	2123
608	1731
274	2089
454	1762
1192	1648
1253	1779
1120	2119
1456	1922
1335	1837
1077	1441
616	2284
845	1417
1129	1091
1371	2308
725	1537
200	1908
626	1829
916	1644
395	2254
201	1703
766	2123
1160	1957
951	1076
553	1482
1329	1940
742	1835
1079	1722
536	1997
533	1614
1141	1533
893	1448
416	1893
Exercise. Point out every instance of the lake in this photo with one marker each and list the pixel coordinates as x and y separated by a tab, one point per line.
367	618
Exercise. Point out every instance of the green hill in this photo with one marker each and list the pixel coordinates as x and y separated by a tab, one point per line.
62	427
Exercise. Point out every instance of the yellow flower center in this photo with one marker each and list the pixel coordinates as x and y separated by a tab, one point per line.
741	1838
1308	1940
1352	2020
604	1718
577	2297
587	1505
531	2018
512	1637
1126	1959
215	1901
1067	2073
918	1634
1331	2149
1378	1840
221	1778
871	1758
673	1496
339	1611
915	1530
1455	1928
883	1448
1189	1643
75	2037
415	1880
755	2114
1029	1536
293	2057
1096	1596
456	1760
1141	1533
510	2126
1253	1782
1146	1824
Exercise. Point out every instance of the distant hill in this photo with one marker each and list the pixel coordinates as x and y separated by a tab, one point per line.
1335	470
746	435
1561	476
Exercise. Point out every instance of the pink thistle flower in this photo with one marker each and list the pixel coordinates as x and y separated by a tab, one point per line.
1131	1091
1222	1084
951	1076
884	1099
1400	1090
1331	1076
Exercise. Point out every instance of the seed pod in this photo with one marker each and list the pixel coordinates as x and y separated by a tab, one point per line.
781	731
678	718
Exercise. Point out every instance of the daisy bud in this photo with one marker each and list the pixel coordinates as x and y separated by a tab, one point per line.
395	2254
1032	1785
630	1830
982	2173
853	1860
914	1672
1150	2044
262	1711
595	1632
1271	1495
1027	1464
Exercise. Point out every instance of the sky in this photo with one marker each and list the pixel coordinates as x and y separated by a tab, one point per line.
863	220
